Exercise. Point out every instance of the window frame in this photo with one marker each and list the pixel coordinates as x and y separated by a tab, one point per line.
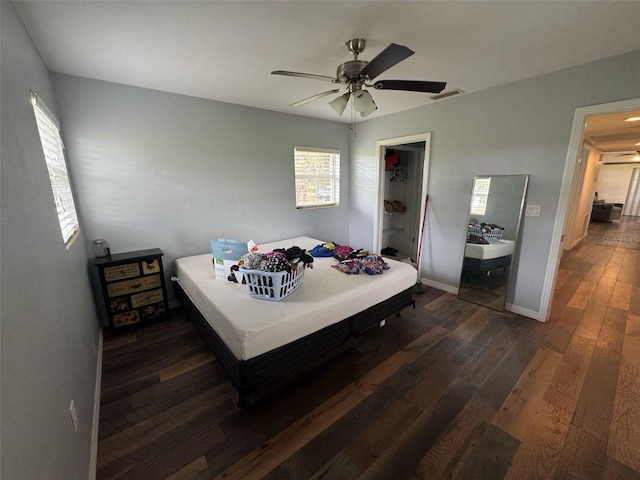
333	177
53	151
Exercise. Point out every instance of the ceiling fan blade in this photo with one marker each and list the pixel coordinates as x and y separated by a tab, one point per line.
315	97
304	75
386	59
410	85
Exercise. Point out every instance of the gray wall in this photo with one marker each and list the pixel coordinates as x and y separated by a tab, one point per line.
519	128
157	169
49	330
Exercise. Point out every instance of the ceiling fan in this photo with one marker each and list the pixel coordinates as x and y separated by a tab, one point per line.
356	74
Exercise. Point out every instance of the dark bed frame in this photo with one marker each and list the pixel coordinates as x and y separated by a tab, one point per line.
475	266
261	375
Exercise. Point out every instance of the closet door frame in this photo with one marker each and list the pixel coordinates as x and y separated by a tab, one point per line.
378	216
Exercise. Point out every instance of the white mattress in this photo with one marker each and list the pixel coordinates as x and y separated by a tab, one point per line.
492	250
251	327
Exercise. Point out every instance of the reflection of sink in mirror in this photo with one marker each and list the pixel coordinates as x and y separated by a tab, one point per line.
495	214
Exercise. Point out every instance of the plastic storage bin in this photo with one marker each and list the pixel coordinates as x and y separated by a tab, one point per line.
273	286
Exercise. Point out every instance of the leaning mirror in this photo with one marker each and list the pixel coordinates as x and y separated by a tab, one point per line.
494	220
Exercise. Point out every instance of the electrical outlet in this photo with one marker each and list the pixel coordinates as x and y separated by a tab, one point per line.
74	416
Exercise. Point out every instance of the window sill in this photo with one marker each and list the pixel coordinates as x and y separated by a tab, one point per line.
72	239
313	207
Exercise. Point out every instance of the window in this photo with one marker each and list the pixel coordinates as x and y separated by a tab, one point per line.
480	194
317	172
48	127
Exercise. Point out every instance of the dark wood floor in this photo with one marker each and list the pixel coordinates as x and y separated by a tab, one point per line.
450	390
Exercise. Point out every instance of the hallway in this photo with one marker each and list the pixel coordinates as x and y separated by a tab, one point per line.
601	274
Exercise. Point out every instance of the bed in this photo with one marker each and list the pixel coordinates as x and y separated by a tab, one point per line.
482	258
263	344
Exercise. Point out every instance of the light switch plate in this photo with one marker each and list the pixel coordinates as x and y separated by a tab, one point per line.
533	210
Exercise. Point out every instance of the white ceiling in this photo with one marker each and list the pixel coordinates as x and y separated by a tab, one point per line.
225	50
614	133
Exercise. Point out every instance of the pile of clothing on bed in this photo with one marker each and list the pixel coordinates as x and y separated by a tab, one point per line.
337	251
278	260
352	261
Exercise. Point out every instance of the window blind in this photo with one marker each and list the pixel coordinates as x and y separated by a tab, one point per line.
480	194
53	150
317	177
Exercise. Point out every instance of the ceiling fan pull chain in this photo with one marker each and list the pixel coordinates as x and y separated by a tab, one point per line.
354	119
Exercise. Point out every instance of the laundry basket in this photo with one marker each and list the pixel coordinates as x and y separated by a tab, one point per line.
273	286
493	234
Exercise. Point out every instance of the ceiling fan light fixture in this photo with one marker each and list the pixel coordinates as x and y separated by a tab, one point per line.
340	103
363	103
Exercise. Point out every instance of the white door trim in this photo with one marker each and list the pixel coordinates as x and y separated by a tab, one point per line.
632	200
575	144
378	209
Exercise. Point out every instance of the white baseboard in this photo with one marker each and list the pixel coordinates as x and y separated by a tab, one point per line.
573	245
440	286
525	312
93	461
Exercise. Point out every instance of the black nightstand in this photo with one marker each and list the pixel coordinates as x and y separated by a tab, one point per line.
133	288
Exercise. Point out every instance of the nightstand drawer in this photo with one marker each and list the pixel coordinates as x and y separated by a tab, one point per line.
146	298
134	285
126	318
149	267
120	272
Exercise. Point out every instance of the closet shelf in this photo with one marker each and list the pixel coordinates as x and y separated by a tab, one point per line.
393	230
391	214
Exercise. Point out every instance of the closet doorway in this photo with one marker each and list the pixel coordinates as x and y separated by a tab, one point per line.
400	209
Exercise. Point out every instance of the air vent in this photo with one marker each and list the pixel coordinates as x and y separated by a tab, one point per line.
448	93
